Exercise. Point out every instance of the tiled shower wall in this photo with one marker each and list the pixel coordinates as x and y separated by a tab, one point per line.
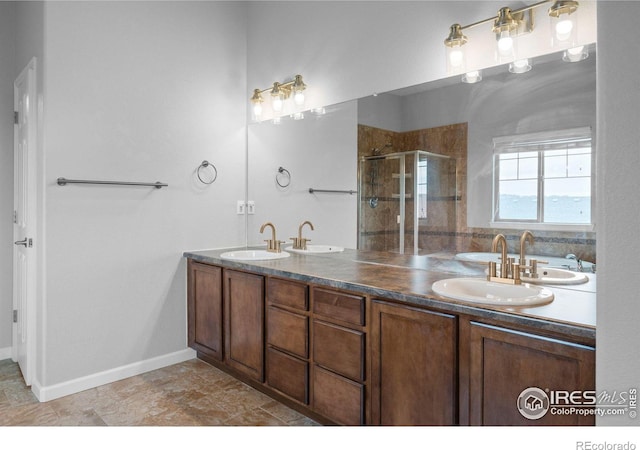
451	140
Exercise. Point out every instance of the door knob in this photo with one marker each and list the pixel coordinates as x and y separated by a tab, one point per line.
26	242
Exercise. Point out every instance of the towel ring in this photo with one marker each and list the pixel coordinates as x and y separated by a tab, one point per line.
204	164
283	173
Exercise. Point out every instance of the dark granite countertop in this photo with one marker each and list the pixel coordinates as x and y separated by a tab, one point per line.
408	279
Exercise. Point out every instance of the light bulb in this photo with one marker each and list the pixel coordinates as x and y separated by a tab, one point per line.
505	44
563	29
257	110
276	103
456	57
298	98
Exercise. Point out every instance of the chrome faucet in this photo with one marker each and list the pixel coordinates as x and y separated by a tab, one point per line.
273	245
509	269
299	242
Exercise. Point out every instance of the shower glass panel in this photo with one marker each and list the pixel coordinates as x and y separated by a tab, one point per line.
407	203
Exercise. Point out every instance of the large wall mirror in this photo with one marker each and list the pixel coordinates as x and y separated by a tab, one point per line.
416	170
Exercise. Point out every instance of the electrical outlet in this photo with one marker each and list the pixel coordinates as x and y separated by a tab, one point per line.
251	207
240	207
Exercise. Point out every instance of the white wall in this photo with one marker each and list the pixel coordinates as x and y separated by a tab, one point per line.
320	152
136	91
7	75
618	214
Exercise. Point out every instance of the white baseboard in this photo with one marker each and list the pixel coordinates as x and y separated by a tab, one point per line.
46	393
5	353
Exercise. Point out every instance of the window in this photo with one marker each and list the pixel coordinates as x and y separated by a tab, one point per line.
544	178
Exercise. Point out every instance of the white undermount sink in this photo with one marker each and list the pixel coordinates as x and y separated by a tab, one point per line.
549	275
253	255
313	249
479	290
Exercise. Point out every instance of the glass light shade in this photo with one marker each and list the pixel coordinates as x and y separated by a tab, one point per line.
277	102
298	91
506	45
454	45
520	66
456	59
564	30
298	98
575	54
472	77
298	116
564	24
257	111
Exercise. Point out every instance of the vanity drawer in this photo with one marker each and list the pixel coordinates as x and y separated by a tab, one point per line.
339	306
339	349
288	293
338	398
288	331
288	374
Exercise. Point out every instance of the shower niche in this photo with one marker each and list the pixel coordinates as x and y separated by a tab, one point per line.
407	203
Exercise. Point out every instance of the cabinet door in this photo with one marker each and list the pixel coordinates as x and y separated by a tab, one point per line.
504	363
288	374
204	302
413	366
244	322
339	349
337	397
288	331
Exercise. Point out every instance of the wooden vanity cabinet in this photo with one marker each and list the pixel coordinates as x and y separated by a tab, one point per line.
204	306
244	322
414	375
287	353
347	359
339	345
504	362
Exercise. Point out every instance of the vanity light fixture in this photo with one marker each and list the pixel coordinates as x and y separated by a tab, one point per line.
506	29
455	49
508	24
281	96
564	26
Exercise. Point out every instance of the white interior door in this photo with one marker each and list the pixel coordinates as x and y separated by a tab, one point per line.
24	218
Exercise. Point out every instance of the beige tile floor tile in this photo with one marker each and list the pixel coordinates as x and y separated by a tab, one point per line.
191	393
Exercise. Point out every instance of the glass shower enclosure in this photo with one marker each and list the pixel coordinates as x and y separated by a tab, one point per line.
407	202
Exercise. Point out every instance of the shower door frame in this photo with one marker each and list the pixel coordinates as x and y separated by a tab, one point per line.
401	156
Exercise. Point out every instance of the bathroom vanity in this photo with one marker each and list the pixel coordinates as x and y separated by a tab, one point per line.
359	338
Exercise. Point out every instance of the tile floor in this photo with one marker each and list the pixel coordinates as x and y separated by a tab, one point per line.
191	393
